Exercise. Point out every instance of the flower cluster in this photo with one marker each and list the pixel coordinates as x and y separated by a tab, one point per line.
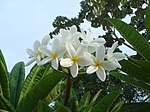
75	50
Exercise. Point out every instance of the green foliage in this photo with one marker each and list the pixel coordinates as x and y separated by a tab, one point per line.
133	37
147	21
4	83
3	59
106	102
43	107
39	91
16	80
117	107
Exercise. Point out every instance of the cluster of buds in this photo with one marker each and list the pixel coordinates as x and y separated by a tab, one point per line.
76	50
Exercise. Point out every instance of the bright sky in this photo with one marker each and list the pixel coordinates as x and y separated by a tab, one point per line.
24	21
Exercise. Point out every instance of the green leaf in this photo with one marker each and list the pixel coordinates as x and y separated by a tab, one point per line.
63	109
135	107
131	80
134	71
3	59
16	79
43	107
4	83
1	110
55	93
105	103
117	107
5	104
96	96
133	37
85	99
39	91
33	77
147	20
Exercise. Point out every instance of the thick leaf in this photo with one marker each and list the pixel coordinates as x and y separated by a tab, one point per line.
145	65
131	80
5	104
136	107
73	104
147	20
1	110
39	91
117	107
55	93
133	37
96	96
105	103
33	77
63	109
3	59
4	81
16	80
135	71
85	99
43	107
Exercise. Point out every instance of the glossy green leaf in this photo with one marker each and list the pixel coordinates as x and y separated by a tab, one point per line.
4	81
133	37
1	110
131	80
135	107
105	103
147	20
117	107
16	80
39	91
135	71
33	77
5	104
85	99
63	109
3	59
96	96
43	107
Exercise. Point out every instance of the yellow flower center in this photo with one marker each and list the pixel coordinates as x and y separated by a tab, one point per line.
38	54
53	55
98	64
74	59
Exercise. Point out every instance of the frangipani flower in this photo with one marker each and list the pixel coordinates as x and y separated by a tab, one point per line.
35	54
90	41
114	57
98	64
54	54
75	58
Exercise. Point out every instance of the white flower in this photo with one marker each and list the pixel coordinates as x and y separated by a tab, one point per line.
35	54
114	57
75	58
98	64
90	41
53	54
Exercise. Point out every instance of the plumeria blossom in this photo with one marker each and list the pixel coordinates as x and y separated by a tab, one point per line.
35	54
114	57
98	64
53	54
90	41
75	58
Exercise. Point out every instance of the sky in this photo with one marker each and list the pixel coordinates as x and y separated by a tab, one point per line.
24	21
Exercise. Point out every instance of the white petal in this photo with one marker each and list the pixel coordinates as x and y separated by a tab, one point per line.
114	46
36	45
73	29
67	62
119	56
100	53
83	61
70	49
31	52
76	43
31	61
81	50
90	57
107	65
55	64
55	44
44	61
45	40
74	70
101	74
91	69
61	51
100	40
92	47
45	51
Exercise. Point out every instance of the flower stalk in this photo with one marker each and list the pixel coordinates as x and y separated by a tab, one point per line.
68	88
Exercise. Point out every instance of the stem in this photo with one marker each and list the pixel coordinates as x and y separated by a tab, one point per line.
68	88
